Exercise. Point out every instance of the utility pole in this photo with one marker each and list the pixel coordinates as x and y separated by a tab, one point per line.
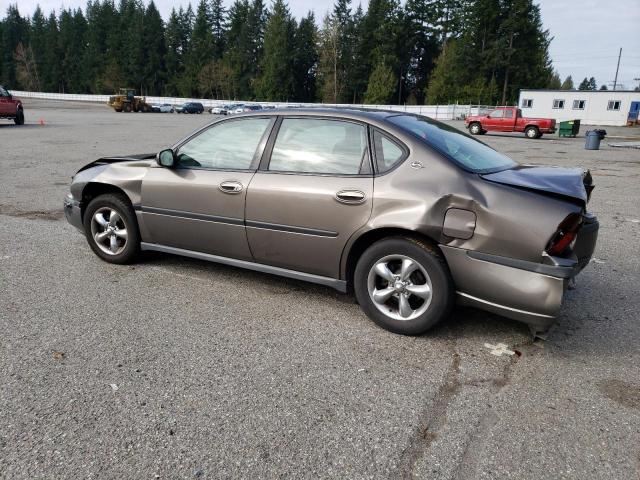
615	81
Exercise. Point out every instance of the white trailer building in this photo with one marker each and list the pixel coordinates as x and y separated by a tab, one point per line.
591	107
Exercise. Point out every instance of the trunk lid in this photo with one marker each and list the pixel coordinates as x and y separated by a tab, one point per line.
573	183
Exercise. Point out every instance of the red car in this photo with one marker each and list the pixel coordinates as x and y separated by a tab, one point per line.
10	107
509	119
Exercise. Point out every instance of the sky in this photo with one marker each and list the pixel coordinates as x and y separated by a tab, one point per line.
588	34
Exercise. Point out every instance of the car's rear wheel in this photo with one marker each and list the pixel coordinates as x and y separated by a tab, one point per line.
532	132
19	120
475	128
403	284
111	228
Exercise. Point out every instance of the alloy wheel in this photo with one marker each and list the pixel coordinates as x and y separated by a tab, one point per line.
109	231
400	287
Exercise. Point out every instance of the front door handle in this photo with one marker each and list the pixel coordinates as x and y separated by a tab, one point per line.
231	186
350	196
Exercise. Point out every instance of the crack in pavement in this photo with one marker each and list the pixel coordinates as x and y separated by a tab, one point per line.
52	215
434	418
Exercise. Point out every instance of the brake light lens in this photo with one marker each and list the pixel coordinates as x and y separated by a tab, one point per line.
566	233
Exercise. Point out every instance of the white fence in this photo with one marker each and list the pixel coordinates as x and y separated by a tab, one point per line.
439	112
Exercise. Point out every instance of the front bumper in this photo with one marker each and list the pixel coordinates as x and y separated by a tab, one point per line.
73	212
526	291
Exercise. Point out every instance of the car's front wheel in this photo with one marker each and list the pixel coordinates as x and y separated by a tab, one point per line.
475	128
404	285
111	228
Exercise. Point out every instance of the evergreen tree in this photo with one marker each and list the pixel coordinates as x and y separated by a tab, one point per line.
219	23
305	60
381	85
201	47
588	84
15	30
567	84
276	82
73	28
554	82
176	40
37	43
153	36
443	83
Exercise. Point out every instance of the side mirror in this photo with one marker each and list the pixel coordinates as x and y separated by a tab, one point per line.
166	158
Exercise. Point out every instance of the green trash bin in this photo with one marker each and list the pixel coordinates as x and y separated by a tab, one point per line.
570	128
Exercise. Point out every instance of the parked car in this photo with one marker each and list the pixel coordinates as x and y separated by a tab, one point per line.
405	211
509	119
231	109
238	108
11	107
219	110
163	108
251	108
190	107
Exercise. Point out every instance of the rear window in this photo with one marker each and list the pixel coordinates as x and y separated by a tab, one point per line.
466	151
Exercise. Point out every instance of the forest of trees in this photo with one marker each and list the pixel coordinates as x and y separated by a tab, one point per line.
425	51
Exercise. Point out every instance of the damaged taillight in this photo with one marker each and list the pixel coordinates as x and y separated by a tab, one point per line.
566	233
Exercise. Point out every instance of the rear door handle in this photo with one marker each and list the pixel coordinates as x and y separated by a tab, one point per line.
350	196
231	186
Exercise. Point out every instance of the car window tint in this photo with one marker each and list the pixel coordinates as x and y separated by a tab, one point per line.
497	114
224	145
312	145
466	151
388	152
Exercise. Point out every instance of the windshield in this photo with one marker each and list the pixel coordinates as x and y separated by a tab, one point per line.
467	152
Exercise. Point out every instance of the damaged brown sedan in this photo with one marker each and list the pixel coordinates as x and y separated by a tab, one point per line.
408	213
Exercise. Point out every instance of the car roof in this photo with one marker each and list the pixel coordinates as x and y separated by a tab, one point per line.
365	114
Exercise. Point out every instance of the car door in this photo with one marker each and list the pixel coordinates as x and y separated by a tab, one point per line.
199	204
508	122
5	102
313	190
494	120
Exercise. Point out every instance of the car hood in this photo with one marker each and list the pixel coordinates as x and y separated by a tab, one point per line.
574	183
125	158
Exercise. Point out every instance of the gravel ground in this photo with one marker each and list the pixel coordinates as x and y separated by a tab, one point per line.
175	368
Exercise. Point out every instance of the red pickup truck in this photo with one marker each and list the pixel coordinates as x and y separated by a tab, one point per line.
10	107
509	119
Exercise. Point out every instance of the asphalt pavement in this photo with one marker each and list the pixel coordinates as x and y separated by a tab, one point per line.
176	368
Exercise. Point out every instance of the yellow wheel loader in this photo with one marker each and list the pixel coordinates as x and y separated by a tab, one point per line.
126	101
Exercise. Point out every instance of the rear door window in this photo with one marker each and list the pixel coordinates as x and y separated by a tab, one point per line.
318	145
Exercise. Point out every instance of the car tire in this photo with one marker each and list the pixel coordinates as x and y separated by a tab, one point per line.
126	108
475	128
422	296
102	229
531	132
19	120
